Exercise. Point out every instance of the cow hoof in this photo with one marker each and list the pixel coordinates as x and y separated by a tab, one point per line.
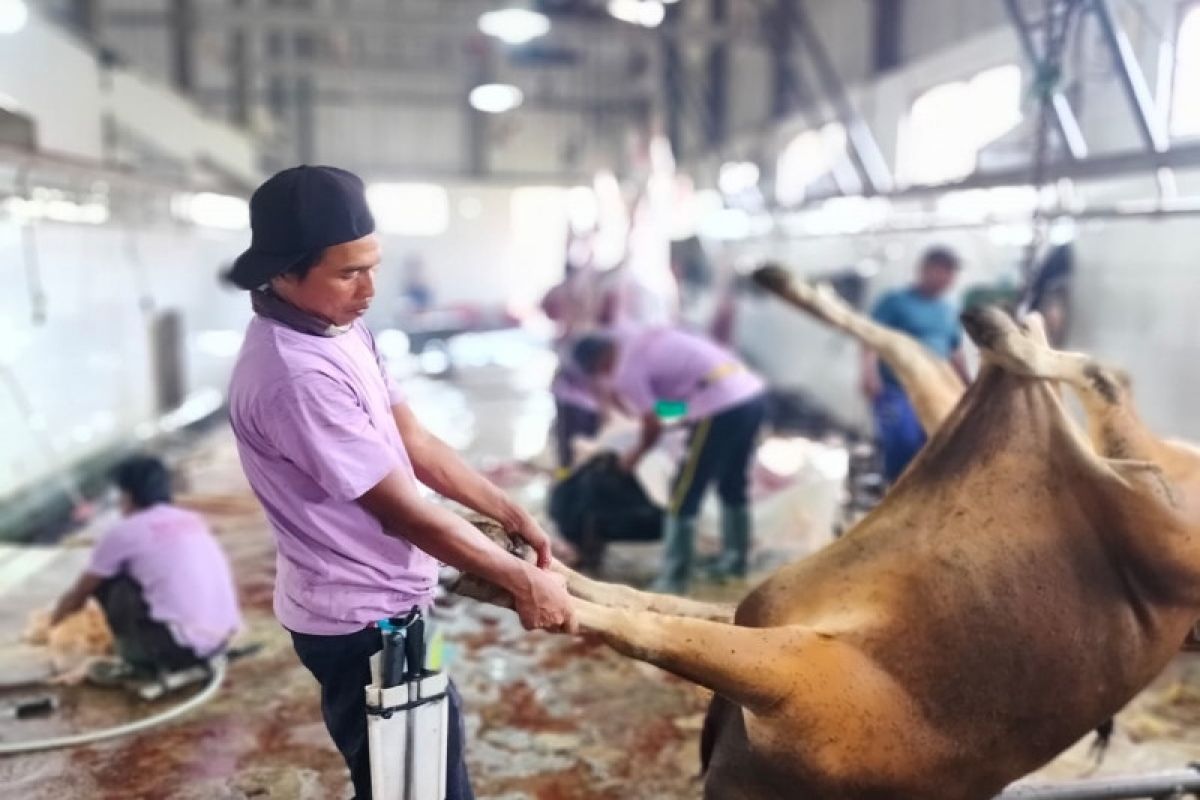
478	589
772	277
987	326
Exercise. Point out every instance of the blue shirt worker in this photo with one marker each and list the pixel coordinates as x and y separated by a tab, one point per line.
923	312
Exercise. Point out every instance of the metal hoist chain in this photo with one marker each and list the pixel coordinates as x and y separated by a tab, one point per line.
1058	20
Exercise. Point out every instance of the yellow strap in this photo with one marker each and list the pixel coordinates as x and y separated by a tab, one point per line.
721	372
691	465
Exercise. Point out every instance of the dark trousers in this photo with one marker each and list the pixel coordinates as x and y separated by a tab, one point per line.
720	448
341	664
898	430
571	421
145	643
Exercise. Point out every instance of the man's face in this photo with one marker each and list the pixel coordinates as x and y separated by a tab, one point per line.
340	287
936	278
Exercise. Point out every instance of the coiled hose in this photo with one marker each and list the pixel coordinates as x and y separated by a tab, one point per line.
219	667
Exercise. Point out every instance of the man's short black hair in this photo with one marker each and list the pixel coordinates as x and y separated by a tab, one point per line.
302	267
145	479
590	351
941	256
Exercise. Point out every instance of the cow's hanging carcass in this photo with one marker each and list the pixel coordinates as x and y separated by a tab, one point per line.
1018	585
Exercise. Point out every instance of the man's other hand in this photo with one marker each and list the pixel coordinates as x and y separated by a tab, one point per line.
871	385
542	602
528	529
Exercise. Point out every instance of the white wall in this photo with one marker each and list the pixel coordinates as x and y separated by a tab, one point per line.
52	78
490	258
55	78
1135	287
177	127
86	368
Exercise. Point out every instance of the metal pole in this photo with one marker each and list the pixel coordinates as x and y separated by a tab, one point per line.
181	40
1064	116
239	78
1133	80
718	78
1159	785
85	18
673	100
888	25
784	82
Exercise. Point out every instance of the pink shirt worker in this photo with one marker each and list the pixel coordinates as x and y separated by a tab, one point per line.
665	372
160	577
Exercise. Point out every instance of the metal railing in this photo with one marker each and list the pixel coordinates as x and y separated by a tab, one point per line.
1155	786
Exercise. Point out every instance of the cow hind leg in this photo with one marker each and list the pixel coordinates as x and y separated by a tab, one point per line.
754	668
613	595
605	594
1116	432
930	383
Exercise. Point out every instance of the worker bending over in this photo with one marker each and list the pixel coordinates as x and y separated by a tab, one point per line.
666	372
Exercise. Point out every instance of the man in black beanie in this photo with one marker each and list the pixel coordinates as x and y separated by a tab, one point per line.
334	453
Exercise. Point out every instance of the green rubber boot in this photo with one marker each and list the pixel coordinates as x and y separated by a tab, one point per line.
679	536
735	542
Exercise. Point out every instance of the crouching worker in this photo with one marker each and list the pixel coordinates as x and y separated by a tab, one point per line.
667	372
161	578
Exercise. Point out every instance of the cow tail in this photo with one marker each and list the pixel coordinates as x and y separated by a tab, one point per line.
714	719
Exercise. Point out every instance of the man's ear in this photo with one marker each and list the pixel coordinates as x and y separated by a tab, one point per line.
283	281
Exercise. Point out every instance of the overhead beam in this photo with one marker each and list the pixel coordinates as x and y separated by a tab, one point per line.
1146	114
864	149
1182	157
451	20
425	98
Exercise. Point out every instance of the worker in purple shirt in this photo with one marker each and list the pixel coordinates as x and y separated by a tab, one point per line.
160	577
334	454
661	372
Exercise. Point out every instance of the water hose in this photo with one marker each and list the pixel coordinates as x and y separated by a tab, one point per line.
216	678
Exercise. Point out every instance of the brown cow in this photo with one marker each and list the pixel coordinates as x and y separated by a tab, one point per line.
1017	587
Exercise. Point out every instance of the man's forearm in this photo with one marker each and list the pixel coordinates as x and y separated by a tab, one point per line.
870	363
440	468
452	540
648	436
67	605
651	431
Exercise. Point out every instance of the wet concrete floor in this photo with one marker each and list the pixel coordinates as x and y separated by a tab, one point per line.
549	718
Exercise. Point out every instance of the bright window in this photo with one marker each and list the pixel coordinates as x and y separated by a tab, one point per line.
538	216
1185	103
950	124
409	209
807	158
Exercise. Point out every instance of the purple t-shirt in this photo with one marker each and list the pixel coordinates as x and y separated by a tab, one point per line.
669	364
314	427
183	573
